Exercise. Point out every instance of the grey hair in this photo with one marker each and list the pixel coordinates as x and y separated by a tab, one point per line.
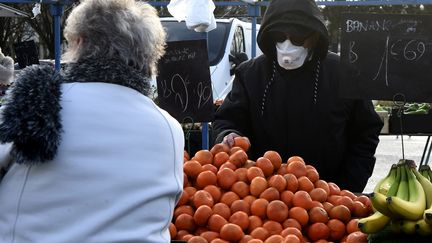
127	30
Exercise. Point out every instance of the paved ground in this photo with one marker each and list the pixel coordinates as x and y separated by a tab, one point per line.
389	151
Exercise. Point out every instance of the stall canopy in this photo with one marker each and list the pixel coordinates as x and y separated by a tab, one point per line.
6	11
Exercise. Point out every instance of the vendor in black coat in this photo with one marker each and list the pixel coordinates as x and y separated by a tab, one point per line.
287	100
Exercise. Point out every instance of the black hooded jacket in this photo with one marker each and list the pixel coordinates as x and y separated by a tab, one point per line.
299	112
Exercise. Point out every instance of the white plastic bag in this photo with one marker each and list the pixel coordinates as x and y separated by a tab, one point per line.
198	14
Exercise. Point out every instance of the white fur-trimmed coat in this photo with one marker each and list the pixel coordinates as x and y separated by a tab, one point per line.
106	165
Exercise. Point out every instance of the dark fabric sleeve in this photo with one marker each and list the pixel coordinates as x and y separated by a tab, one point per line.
363	137
234	114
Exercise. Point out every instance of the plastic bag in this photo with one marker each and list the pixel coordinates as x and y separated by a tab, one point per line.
198	14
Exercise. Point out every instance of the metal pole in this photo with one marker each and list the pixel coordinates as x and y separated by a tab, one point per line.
205	125
56	12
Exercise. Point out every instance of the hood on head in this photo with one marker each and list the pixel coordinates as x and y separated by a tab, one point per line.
292	16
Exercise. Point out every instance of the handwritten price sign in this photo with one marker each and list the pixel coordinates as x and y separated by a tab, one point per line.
184	86
386	54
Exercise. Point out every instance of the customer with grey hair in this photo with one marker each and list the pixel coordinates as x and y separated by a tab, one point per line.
6	69
95	160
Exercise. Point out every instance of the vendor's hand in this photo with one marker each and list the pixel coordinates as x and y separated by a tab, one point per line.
229	139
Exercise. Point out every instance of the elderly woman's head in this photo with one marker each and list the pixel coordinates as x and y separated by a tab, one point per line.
121	29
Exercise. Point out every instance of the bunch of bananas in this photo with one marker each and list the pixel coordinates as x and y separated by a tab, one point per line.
403	200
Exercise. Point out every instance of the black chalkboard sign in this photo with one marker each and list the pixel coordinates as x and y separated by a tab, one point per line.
384	55
26	53
184	86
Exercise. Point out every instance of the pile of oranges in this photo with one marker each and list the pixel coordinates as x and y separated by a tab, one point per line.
229	198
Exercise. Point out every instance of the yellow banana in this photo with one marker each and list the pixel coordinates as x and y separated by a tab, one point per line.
373	223
424	171
385	183
414	207
408	226
427	187
379	203
428	216
403	190
423	228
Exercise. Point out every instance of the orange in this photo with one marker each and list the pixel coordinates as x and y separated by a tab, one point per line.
297	168
231	232
200	230
337	229
246	239
333	199
292	239
226	178
274	157
253	172
190	191
300	214
278	182
322	184
286	197
192	168
258	185
209	235
219	147
357	237
312	174
291	182
187	209
222	209
234	149
202	197
265	165
347	201
197	239
206	178
348	194
228	165
218	240
318	194
302	199
260	233
254	222
327	206
249	163
255	241
173	231
277	211
334	189
273	227
290	222
295	158
240	205
181	234
359	210
185	180
204	157
305	184
210	167
317	231
317	214
240	188
184	198
352	226
242	142
274	239
202	214
185	222
220	158
270	194
282	169
259	208
340	212
187	237
229	197
238	158
242	174
316	204
215	222
241	219
214	191
249	199
292	231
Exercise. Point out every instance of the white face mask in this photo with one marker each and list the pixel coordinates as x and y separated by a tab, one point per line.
290	56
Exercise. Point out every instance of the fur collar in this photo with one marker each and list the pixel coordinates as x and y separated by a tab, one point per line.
107	71
30	115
